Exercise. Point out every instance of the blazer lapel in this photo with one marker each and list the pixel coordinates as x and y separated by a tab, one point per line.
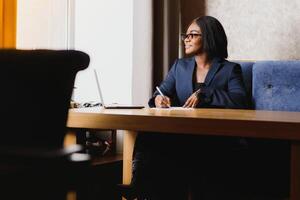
216	64
190	73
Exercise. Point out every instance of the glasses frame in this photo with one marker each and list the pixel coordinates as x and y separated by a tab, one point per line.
189	36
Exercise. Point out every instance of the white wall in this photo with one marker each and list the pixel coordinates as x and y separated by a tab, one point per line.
42	24
142	51
104	30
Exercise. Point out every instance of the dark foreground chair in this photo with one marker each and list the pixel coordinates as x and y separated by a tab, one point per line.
36	87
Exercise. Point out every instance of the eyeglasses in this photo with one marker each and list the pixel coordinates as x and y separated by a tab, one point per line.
189	36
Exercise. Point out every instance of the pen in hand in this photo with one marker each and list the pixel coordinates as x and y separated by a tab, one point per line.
161	94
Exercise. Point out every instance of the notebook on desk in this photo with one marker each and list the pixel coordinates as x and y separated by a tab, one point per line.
113	106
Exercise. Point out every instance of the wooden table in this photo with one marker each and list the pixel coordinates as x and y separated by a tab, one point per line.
223	122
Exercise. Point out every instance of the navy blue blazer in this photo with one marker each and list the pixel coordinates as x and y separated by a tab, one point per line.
223	86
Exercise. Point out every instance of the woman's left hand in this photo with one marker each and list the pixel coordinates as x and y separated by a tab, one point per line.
192	101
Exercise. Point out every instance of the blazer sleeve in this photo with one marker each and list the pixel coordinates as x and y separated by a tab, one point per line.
167	87
234	97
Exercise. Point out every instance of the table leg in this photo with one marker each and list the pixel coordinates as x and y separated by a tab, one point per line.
295	170
70	138
129	139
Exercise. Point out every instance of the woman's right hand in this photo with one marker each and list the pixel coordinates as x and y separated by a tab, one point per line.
162	101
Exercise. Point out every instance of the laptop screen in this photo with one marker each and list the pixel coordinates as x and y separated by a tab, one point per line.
98	87
112	106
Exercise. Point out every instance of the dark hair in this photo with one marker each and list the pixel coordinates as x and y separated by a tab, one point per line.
214	38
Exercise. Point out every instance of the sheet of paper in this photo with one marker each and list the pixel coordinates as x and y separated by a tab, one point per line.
174	108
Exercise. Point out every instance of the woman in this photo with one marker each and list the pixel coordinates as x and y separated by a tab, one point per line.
203	80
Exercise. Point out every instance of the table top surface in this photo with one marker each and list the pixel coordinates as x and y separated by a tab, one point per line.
217	122
223	114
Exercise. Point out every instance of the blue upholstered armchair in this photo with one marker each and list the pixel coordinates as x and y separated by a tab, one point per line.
271	85
276	85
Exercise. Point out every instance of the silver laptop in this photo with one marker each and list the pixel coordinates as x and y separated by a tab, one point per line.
113	106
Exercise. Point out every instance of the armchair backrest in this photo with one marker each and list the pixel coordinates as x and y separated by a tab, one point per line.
36	87
276	85
272	85
247	68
